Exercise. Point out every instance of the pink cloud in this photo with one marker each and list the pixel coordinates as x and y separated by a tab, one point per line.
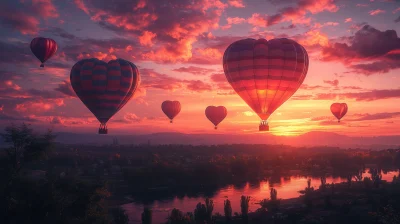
296	15
220	80
396	10
24	16
376	12
17	20
334	83
45	8
81	5
153	79
236	3
368	44
34	107
347	20
198	86
194	70
66	88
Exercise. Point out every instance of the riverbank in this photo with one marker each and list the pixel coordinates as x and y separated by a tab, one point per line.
368	201
287	188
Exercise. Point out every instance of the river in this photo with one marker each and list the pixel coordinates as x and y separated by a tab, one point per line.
286	188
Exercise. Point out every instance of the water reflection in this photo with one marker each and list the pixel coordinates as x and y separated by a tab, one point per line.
186	200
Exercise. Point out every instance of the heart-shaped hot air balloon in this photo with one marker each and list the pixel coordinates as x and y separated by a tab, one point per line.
339	110
104	87
171	109
265	73
216	114
43	48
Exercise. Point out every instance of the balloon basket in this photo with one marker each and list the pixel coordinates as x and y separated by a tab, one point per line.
263	127
170	121
338	121
42	65
103	129
215	128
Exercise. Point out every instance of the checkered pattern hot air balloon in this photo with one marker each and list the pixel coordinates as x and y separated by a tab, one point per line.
104	87
265	73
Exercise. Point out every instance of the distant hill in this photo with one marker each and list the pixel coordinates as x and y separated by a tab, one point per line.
308	139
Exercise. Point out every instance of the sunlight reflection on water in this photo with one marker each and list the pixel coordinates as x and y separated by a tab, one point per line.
286	187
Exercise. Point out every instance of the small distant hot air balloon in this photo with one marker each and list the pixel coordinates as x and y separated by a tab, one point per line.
265	74
43	48
339	110
104	87
216	114
171	109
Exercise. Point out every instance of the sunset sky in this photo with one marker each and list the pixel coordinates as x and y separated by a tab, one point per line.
353	46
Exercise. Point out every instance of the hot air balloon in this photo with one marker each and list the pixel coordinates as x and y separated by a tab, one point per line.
216	114
104	87
171	109
265	73
339	110
43	48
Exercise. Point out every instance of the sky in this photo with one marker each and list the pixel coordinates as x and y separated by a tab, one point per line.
353	47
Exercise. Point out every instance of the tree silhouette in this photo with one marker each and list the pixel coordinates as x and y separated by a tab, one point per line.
147	216
244	206
228	210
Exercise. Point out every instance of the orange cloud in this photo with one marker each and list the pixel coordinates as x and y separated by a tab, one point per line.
146	39
99	55
314	38
169	53
263	20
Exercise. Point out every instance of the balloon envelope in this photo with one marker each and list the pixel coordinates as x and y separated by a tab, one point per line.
43	48
216	114
104	87
264	73
171	108
339	110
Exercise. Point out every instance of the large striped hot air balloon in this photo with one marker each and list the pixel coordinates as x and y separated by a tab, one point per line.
104	87
43	48
171	109
265	73
339	110
216	114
